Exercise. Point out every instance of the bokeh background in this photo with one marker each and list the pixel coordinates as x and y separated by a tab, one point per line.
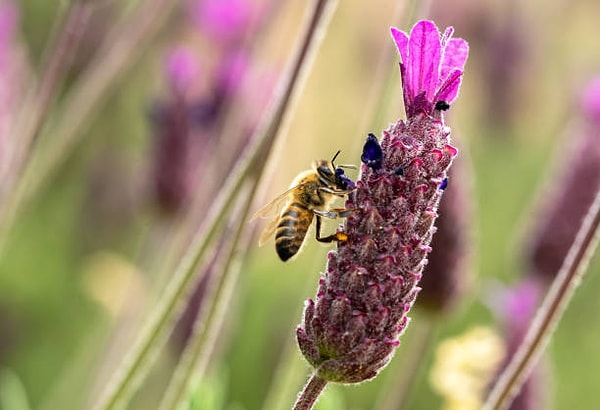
89	253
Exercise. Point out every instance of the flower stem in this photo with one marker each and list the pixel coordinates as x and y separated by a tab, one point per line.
162	318
218	296
311	392
547	317
69	32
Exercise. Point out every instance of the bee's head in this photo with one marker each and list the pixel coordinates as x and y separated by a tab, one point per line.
326	171
331	175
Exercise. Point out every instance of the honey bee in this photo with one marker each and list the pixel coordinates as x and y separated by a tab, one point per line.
309	196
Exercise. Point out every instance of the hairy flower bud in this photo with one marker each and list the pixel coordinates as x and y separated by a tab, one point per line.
350	331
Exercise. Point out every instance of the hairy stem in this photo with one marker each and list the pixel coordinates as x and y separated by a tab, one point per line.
574	266
162	318
311	392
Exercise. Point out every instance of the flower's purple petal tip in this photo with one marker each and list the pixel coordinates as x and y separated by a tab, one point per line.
401	40
590	100
372	155
426	27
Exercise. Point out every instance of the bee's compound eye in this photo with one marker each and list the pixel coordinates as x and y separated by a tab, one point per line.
339	172
324	171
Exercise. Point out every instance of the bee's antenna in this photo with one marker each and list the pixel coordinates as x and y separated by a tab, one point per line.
334	157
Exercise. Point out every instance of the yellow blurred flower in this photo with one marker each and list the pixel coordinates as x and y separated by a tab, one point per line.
464	366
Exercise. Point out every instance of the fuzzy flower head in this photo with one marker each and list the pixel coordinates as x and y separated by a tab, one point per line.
350	332
431	66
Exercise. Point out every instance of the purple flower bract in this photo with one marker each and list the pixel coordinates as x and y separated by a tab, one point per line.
431	67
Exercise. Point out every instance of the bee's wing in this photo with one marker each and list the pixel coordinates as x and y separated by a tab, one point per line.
268	232
271	210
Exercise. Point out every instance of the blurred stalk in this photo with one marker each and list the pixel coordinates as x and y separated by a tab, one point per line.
286	379
289	374
217	299
119	51
58	56
395	395
561	291
162	318
13	395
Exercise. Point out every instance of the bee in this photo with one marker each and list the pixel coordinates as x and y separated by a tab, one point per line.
308	198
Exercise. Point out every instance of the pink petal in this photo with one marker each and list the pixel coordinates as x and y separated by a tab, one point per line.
455	56
401	40
424	51
449	88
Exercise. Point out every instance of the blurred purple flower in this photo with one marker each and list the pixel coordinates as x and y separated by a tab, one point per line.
351	331
231	72
224	20
182	68
573	191
431	66
446	276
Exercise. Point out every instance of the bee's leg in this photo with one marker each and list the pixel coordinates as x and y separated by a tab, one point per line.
338	236
336	192
334	213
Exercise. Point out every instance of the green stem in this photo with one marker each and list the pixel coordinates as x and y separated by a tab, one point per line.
311	392
216	301
161	319
569	276
58	57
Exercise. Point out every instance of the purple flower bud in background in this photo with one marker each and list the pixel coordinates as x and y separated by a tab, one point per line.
572	192
223	20
350	331
446	276
182	69
171	179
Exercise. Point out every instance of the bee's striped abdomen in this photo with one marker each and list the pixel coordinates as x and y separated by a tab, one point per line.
291	230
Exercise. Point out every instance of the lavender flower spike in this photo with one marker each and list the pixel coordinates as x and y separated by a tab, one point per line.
349	333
